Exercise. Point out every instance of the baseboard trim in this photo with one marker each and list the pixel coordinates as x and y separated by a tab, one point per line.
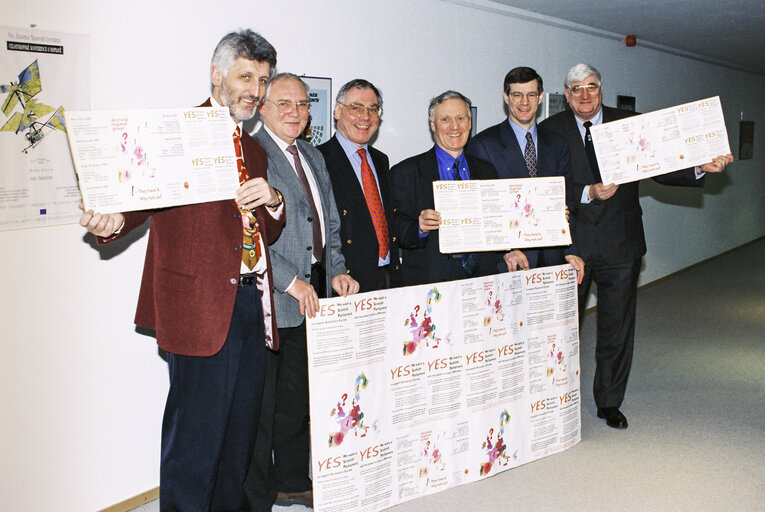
134	502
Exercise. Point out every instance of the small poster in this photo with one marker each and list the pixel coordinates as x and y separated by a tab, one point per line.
319	127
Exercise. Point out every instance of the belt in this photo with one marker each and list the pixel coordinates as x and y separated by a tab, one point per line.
247	279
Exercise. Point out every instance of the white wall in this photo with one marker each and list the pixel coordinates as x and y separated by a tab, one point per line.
83	393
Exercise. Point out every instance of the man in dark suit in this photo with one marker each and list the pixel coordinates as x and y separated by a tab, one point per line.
359	175
208	297
610	235
307	264
518	148
415	221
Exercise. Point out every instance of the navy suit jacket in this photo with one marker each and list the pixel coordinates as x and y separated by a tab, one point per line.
411	192
357	232
612	228
499	146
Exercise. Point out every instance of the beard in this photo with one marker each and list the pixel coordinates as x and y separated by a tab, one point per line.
239	111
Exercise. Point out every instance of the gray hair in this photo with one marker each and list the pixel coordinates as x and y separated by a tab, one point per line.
283	76
448	95
579	73
246	44
358	83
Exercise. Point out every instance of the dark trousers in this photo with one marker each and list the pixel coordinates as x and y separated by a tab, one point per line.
615	333
281	458
211	414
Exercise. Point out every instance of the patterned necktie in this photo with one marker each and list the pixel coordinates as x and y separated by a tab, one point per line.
250	227
456	171
315	223
374	203
590	149
530	155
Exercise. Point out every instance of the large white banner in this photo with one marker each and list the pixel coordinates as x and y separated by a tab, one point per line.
415	390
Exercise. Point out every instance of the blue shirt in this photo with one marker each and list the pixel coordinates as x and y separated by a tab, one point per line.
350	149
520	134
446	162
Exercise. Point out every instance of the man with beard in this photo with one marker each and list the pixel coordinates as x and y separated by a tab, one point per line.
206	291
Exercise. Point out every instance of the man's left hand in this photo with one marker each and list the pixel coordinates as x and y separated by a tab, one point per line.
718	164
578	264
254	193
345	285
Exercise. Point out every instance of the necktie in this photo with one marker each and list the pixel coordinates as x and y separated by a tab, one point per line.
456	171
590	149
374	203
315	223
530	155
250	227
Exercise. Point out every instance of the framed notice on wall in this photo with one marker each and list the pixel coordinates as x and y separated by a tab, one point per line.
319	128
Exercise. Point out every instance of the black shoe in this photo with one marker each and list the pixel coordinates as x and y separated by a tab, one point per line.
613	416
286	499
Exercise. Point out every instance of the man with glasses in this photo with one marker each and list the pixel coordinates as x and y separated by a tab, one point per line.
518	148
610	235
359	175
307	264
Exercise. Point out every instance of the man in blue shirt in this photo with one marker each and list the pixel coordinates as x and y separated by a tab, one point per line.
518	148
415	220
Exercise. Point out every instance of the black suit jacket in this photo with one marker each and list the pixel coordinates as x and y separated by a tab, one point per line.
357	232
499	146
411	192
612	228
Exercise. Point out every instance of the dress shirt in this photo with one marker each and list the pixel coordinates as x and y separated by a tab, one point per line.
350	149
309	175
260	266
520	134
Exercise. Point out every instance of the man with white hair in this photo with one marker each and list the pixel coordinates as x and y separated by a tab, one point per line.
609	231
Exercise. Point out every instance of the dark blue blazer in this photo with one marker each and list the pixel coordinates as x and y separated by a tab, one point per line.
411	192
499	146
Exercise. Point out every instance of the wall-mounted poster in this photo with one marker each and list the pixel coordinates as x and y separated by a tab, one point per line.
625	103
746	140
552	104
41	75
319	128
474	120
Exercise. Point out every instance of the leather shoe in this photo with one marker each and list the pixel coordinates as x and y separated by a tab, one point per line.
613	416
286	499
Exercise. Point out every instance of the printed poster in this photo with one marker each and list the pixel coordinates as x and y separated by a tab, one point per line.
42	75
660	142
504	214
419	389
130	160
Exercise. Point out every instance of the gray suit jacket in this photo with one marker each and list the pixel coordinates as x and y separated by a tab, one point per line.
291	253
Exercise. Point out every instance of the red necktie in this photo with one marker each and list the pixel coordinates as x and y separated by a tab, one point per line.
251	229
374	204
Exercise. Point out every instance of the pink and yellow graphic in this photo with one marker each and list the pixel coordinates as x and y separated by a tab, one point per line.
423	329
496	451
353	419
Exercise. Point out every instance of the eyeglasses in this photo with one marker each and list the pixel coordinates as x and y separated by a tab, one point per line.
285	106
576	90
518	96
357	110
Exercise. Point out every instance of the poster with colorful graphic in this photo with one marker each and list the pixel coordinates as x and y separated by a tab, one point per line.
130	160
319	127
415	390
660	142
500	215
42	75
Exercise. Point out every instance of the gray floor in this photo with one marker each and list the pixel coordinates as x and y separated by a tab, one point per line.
695	404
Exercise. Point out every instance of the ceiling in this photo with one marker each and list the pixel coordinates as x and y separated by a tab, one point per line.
730	32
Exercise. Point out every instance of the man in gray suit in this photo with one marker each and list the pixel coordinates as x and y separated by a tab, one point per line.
307	264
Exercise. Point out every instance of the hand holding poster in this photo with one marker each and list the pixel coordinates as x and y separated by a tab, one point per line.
139	159
495	215
415	390
660	142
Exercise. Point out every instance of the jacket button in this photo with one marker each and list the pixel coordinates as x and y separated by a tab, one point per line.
348	242
232	281
308	276
347	271
393	239
308	248
345	212
310	219
237	248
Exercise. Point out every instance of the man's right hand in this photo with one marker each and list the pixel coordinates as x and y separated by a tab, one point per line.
103	225
305	295
602	192
429	220
516	260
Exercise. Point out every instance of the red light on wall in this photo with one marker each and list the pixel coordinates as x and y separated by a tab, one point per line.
630	40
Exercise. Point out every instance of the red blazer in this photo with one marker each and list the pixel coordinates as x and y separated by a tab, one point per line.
191	272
